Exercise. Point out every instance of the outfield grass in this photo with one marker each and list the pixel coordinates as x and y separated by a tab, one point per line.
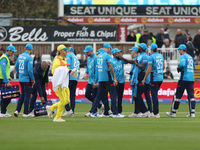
102	133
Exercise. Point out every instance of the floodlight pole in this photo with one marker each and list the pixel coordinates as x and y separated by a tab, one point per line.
60	8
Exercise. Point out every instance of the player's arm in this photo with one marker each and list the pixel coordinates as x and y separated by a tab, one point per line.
147	74
182	63
143	66
163	64
127	60
30	70
17	65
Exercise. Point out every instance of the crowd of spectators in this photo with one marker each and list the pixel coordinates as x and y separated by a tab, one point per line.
167	46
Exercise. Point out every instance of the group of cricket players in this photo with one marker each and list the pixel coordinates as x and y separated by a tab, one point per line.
105	73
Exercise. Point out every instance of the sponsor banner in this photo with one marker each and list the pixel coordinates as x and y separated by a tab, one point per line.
131	10
122	33
57	33
131	20
166	92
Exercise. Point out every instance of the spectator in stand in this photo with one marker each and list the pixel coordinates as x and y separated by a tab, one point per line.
12	60
36	59
153	37
166	34
196	43
186	38
145	37
185	32
168	74
14	75
191	50
178	38
2	51
131	37
149	42
138	35
160	37
83	61
167	49
53	54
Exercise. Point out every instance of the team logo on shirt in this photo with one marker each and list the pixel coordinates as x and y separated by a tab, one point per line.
3	33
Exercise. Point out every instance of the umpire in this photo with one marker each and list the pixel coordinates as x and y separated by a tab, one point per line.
40	72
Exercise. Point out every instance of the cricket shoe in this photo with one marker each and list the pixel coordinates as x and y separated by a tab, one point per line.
49	112
154	116
145	115
110	112
191	116
7	114
25	115
31	114
101	109
123	114
58	120
118	116
88	115
170	114
103	116
16	113
93	115
71	113
133	115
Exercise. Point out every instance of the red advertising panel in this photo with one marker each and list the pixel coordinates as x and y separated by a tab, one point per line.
166	90
130	20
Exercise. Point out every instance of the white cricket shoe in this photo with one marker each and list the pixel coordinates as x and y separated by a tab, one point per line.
49	112
119	116
110	112
2	115
16	113
154	116
58	120
103	116
25	115
88	114
7	115
146	114
133	115
170	114
71	113
31	114
191	116
101	109
94	115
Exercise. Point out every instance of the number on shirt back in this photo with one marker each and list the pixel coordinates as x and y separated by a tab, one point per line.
159	65
21	64
76	63
100	61
190	64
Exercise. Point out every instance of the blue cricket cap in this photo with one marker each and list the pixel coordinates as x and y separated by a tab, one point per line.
11	48
167	67
143	46
153	46
115	50
29	46
182	46
88	48
106	45
135	48
71	49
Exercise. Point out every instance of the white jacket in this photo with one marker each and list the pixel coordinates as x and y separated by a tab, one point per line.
60	78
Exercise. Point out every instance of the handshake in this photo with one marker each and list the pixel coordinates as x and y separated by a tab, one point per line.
74	72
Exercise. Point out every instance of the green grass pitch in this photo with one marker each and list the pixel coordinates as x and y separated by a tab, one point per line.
80	133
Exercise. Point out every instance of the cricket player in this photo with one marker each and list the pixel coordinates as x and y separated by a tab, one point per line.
156	66
90	72
74	63
118	66
40	72
5	77
105	70
24	67
141	63
186	81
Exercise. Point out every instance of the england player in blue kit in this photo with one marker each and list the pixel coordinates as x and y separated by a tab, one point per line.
105	75
156	66
24	67
118	66
186	81
74	64
90	72
140	63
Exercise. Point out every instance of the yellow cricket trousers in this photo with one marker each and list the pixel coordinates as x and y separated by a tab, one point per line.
64	95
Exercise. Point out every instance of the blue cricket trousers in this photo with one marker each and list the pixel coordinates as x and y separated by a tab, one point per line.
34	96
4	103
72	89
26	89
120	91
